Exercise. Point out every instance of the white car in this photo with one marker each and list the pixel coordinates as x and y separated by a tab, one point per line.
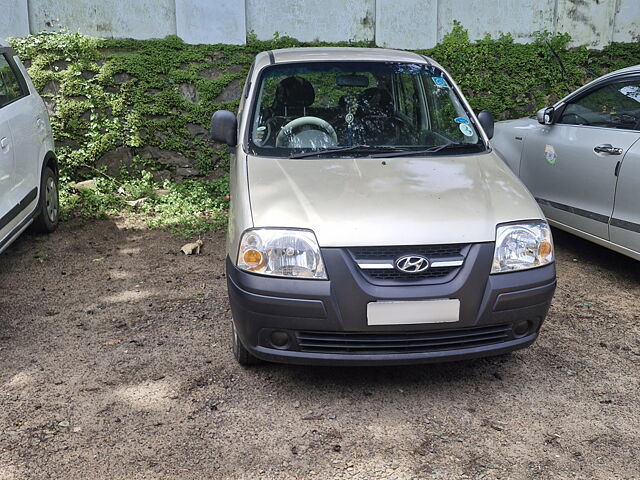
580	159
28	166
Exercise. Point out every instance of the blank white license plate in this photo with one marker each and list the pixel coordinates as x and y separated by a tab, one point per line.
412	312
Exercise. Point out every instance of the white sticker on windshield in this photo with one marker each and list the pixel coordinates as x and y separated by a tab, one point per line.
439	82
466	130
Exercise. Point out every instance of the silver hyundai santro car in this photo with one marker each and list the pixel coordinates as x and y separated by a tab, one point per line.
370	220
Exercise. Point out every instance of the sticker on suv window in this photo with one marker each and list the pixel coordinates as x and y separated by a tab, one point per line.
439	82
460	120
466	130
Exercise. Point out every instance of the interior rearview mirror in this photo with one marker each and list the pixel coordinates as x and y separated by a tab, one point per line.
224	128
352	80
486	120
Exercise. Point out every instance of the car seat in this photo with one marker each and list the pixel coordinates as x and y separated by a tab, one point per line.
293	96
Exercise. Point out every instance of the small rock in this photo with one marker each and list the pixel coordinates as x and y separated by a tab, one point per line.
191	248
77	429
115	159
122	77
189	93
86	185
187	172
64	423
196	130
296	404
231	93
135	203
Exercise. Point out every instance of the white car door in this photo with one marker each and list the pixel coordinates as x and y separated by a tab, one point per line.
572	166
19	146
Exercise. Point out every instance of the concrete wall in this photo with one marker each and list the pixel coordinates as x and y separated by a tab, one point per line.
327	20
392	23
204	21
101	18
14	18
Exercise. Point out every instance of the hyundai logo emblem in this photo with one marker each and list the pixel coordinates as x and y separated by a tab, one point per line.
412	263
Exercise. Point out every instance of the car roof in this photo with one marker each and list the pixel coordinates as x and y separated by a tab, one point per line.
338	54
622	71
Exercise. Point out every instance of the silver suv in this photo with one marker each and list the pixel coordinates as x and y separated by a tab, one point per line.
370	220
28	166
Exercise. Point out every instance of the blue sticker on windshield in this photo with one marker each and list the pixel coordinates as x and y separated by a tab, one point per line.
460	120
439	82
466	130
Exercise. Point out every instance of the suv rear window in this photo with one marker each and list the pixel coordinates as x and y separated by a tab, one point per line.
10	88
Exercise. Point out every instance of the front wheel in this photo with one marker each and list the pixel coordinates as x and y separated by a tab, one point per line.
243	356
46	220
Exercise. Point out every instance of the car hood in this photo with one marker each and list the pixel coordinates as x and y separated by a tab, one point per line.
410	200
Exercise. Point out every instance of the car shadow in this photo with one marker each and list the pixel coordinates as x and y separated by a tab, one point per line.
575	249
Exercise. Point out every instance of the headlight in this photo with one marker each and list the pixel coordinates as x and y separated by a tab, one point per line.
281	253
521	246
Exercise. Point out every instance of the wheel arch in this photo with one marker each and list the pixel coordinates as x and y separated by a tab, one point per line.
50	160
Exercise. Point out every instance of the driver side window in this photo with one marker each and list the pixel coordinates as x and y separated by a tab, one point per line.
616	105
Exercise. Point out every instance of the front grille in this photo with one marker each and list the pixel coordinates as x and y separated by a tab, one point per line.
389	254
408	342
383	253
388	274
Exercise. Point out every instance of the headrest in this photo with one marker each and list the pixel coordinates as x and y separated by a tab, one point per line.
295	92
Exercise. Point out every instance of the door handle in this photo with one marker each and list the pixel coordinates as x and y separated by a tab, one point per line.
4	143
607	148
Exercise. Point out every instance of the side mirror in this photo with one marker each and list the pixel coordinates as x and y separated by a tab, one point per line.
224	128
486	120
545	115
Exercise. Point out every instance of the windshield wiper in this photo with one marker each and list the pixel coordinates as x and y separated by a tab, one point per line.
437	148
352	149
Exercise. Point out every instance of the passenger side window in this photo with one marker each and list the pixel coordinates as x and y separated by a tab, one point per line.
9	85
616	105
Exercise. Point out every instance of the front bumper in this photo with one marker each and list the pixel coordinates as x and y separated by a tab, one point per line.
326	321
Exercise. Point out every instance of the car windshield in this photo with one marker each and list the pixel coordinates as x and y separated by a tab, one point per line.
358	108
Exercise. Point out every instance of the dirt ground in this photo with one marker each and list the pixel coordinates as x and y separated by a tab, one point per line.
115	363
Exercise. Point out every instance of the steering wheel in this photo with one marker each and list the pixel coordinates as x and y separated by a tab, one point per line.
287	130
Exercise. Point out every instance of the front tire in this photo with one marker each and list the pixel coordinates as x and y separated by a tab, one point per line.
46	220
242	355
